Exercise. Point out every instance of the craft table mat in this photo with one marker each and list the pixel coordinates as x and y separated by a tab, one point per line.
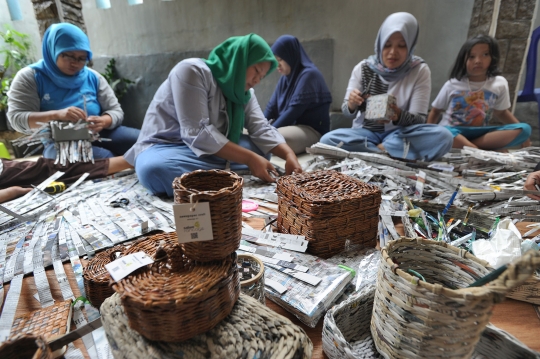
516	317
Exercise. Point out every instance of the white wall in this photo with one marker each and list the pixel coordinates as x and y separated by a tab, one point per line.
27	25
190	25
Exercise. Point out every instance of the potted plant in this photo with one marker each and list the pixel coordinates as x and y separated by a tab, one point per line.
15	53
120	85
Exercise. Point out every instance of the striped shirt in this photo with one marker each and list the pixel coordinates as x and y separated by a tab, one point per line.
416	84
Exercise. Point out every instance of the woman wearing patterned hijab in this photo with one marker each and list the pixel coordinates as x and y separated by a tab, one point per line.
197	117
300	105
393	69
61	87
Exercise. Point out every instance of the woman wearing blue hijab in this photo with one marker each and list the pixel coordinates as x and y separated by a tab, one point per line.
61	87
300	105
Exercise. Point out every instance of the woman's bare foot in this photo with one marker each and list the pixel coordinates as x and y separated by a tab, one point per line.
117	164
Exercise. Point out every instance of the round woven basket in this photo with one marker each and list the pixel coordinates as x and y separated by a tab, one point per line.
346	334
174	298
223	191
25	346
251	276
96	277
437	317
250	331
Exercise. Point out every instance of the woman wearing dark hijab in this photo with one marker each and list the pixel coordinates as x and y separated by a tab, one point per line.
393	69
197	117
300	105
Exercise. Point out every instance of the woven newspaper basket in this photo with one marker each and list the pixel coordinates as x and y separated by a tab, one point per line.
96	277
528	292
436	316
328	207
223	191
346	334
25	346
174	298
251	276
251	330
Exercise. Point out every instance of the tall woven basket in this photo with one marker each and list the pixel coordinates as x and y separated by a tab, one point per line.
328	208
223	191
437	316
176	298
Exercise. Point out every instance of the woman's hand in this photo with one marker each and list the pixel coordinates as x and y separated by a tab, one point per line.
71	114
260	168
397	112
532	180
98	123
355	100
292	165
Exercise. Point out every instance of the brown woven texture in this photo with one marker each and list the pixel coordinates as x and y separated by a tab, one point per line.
175	298
223	191
49	322
438	317
96	277
25	346
328	207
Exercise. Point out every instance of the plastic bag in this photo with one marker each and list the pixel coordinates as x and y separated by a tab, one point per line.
502	248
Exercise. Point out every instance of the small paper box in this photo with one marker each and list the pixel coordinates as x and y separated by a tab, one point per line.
378	107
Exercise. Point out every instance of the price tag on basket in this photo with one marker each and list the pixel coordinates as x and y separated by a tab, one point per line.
193	222
125	265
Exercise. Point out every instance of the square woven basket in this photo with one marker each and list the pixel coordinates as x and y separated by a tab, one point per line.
328	207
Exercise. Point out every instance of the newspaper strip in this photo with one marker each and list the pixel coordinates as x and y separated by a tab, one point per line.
10	307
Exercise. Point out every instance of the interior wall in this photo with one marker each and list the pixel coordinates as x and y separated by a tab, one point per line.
27	25
156	27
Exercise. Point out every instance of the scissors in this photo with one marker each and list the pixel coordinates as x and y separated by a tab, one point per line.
122	202
364	93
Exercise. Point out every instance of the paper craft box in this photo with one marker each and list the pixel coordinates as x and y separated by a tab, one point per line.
378	107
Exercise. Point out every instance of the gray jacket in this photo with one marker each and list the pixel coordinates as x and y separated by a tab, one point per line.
23	99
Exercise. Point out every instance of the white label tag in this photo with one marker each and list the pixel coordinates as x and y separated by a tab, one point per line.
193	222
121	267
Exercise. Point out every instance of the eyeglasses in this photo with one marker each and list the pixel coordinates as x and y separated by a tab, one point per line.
82	60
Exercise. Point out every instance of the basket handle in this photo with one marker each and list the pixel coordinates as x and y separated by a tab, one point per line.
515	274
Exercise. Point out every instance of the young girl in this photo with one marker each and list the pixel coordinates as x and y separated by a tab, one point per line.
393	69
473	95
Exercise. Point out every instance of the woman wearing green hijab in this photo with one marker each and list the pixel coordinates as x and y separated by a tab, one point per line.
197	117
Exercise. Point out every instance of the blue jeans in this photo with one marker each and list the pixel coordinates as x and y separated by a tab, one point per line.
426	141
159	165
122	138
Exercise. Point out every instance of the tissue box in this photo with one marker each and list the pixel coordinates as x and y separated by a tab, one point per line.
378	107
